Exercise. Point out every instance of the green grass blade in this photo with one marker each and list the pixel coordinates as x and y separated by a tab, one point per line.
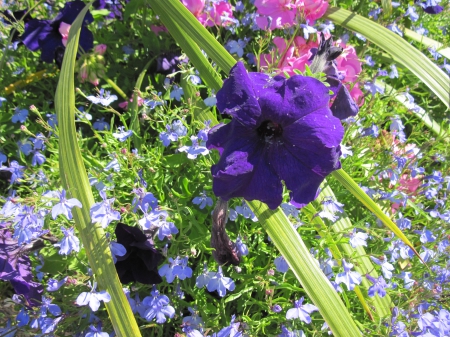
364	266
306	269
193	31
75	181
401	50
346	181
420	113
427	42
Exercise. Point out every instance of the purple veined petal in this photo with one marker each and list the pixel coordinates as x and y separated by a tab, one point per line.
49	45
236	94
35	30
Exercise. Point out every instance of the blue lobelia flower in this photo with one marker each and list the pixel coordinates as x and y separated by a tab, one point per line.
158	307
203	200
348	277
176	268
301	311
379	286
122	135
20	115
65	206
69	243
104	98
281	130
50	36
220	283
93	298
103	212
281	264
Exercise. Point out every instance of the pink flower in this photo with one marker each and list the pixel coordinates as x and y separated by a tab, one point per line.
124	105
295	57
194	6
64	31
158	29
313	9
219	14
100	49
356	94
282	13
408	184
348	63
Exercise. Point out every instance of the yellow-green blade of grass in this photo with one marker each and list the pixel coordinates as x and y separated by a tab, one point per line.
306	269
75	181
195	32
351	186
364	266
427	42
417	111
402	52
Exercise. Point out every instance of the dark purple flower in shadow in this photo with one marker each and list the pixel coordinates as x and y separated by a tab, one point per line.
140	263
50	36
430	6
282	129
168	63
15	266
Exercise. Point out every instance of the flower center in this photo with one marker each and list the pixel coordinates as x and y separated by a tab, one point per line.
269	131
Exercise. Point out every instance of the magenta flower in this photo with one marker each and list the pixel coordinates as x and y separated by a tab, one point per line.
281	130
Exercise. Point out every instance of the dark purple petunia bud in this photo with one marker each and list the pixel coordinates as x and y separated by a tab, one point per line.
281	130
15	266
51	35
140	263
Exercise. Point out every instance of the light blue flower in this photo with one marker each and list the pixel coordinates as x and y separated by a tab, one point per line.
301	311
20	115
203	200
65	206
348	277
69	242
104	98
93	298
195	149
122	135
220	283
281	264
176	92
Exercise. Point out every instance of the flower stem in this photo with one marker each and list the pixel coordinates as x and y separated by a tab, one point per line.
115	87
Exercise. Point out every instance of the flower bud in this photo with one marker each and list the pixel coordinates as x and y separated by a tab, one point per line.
100	49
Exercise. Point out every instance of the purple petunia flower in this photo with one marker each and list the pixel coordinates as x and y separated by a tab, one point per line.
301	311
140	263
281	130
430	6
50	36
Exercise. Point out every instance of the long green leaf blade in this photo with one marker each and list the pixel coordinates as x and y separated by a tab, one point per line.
306	269
427	42
401	51
75	181
346	181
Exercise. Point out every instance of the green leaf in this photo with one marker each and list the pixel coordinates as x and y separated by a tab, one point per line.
306	269
401	50
347	181
418	111
75	181
427	42
132	8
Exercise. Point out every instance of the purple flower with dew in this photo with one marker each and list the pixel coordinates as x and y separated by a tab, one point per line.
122	135
329	209
50	36
169	63
436	55
195	149
23	318
348	277
203	200
203	279
117	249
382	72
430	6
154	219
360	37
301	311
54	285
232	214
327	264
399	249
372	131
158	307
421	30
176	93
69	242
96	331
211	100
153	103
176	268
174	131
140	263
281	264
46	324
369	61
327	27
241	247
264	142
220	283
16	171
101	125
246	212
65	206
194	321
358	238
379	286
104	98
408	282
20	115
93	298
394	28
442	322
102	212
